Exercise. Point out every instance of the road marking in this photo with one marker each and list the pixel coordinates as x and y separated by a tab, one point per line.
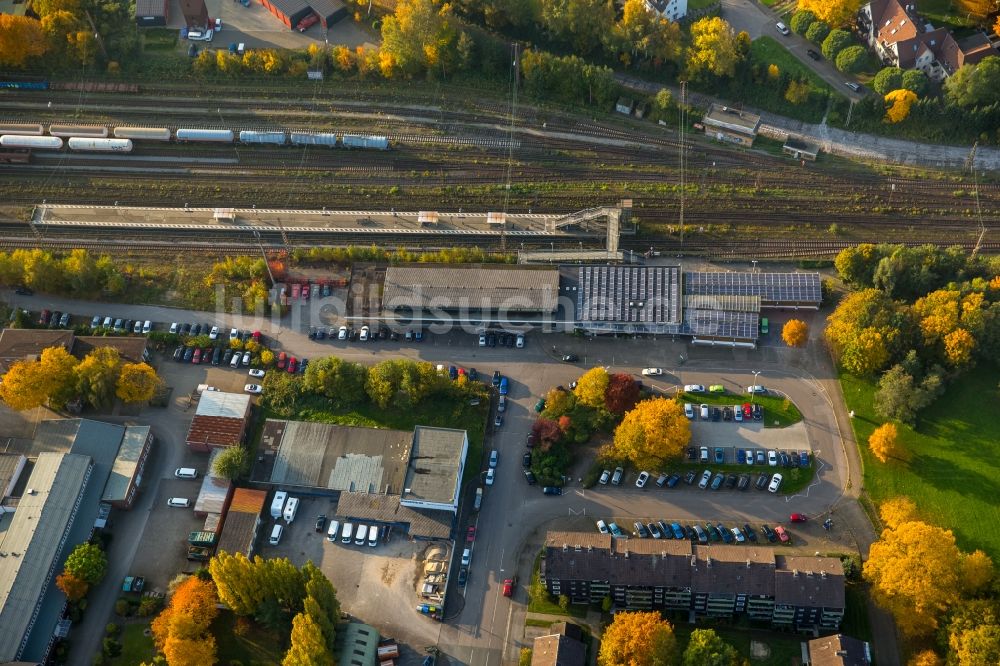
815	476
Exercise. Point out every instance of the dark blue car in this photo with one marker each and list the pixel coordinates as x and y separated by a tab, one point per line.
503	386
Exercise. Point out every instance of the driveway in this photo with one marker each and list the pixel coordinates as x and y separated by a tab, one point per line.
757	20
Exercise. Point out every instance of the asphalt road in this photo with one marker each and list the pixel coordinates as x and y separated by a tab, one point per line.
483	631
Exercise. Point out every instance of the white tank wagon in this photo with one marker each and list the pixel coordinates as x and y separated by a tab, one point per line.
367	142
314	139
143	133
205	135
275	138
100	145
33	142
88	131
22	129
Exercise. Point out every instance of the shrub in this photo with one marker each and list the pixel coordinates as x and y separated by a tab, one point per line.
111	629
915	81
564	602
123	607
852	59
817	32
835	42
150	606
801	20
888	78
111	648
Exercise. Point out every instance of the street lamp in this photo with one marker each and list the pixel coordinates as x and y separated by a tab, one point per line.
754	386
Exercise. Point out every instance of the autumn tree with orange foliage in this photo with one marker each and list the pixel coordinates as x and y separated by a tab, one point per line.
884	443
622	394
181	630
651	434
976	572
21	38
73	587
925	658
638	639
836	13
795	333
897	511
899	103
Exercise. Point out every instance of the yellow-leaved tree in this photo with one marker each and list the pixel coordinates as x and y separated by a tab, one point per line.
837	13
638	639
795	333
898	105
925	658
713	48
913	574
897	511
884	443
23	387
21	38
652	433
137	382
591	387
976	572
958	347
307	645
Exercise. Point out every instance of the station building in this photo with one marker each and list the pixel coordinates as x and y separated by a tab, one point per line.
710	307
725	123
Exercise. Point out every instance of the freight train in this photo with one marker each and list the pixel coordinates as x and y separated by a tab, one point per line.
97	137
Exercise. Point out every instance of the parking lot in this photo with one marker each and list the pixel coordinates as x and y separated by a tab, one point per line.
256	27
375	584
162	551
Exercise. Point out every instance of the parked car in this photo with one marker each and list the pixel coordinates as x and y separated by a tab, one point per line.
661	480
744	481
95	322
798	518
717	481
804	459
570	358
772	458
673	480
690	477
652	372
498	421
605	477
654	531
853	86
253	388
293	365
782	534
694	388
615	530
196	359
246	359
365	334
758	413
738	535
775	483
761	482
320	522
731	481
64	320
689	410
616	478
737	414
640	530
726	535
703	454
756	389
45	317
768	533
179	354
782	28
720	455
179	502
552	490
491	476
641	481
530	477
508	586
526	460
494	458
813	54
749	532
706	476
256	372
677	530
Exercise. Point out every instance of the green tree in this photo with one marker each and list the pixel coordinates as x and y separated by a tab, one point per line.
581	23
234	577
705	648
852	59
713	48
307	645
97	375
342	382
975	85
524	657
887	79
915	81
817	32
801	20
901	397
321	602
87	562
419	36
797	92
232	464
835	42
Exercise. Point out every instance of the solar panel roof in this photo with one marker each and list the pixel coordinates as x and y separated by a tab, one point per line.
641	294
771	287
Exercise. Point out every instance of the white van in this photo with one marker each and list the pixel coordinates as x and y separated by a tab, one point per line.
291	508
361	536
331	533
704	412
373	536
278	503
186	473
275	535
346	533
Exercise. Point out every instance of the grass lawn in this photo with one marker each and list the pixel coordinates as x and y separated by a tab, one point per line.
778	411
953	476
159	39
258	646
136	647
785	648
700	4
944	12
767	51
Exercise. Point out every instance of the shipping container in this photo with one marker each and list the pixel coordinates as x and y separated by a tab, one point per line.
90	131
36	142
143	133
201	538
314	139
24	129
212	135
101	145
276	138
367	142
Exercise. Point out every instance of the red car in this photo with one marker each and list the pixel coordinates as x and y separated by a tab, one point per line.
196	359
282	360
508	586
43	319
798	518
747	410
256	337
470	535
782	534
293	365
